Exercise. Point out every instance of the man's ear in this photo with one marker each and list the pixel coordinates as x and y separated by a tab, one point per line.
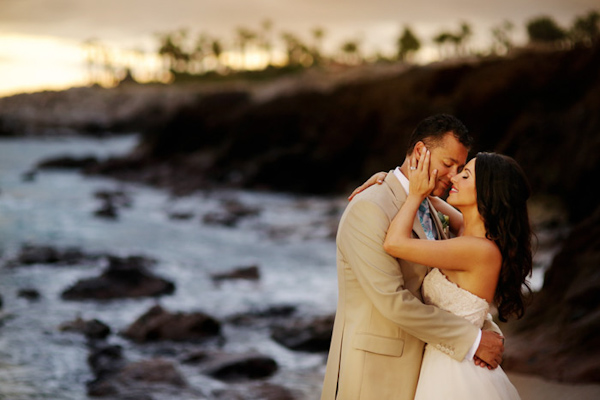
419	146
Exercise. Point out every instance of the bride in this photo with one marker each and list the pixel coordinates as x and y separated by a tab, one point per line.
487	262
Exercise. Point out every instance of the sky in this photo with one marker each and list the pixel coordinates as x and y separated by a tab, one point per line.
41	40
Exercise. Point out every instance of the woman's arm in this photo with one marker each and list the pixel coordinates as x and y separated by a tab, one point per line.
462	253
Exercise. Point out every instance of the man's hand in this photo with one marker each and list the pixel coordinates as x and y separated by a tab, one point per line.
489	352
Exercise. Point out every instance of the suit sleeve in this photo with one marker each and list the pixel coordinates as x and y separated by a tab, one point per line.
360	241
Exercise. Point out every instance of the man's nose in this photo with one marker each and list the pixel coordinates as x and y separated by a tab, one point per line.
453	172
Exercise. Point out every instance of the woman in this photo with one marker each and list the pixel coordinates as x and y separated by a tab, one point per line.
487	262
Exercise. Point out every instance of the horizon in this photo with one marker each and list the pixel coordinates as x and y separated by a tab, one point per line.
41	44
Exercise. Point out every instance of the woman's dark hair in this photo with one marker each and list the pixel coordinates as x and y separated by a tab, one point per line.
502	193
432	129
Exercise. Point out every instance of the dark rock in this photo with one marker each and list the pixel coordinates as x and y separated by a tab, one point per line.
231	214
41	254
310	335
68	162
106	360
557	337
29	176
108	211
158	324
92	329
181	215
261	390
270	313
124	278
152	371
114	376
119	198
248	273
112	202
29	294
220	218
232	368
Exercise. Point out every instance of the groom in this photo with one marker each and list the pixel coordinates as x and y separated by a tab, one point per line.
381	324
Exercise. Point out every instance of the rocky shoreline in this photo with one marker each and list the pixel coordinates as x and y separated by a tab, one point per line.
199	334
304	135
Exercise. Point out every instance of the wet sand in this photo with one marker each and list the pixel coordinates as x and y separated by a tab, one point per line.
535	388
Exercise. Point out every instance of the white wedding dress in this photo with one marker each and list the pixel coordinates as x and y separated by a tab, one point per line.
442	377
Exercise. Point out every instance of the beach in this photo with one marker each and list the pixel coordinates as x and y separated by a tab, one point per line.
535	388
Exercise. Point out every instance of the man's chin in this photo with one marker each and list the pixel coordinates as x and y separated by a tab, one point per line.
440	192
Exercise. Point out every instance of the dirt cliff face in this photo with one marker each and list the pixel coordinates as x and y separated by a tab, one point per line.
541	108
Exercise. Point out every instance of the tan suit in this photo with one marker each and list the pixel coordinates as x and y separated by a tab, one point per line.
381	324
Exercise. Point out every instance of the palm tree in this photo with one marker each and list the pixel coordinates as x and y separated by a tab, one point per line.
217	49
464	36
318	34
586	29
351	51
503	43
245	36
441	39
407	44
297	52
265	39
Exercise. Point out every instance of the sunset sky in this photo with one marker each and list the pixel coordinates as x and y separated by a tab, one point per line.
41	40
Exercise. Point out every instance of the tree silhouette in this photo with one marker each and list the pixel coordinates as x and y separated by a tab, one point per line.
440	40
503	42
245	36
266	39
318	34
462	38
545	30
586	29
298	53
407	44
217	49
351	51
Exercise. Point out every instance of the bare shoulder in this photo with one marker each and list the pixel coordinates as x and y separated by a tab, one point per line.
484	251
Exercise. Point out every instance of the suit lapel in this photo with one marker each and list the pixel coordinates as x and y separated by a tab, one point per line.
441	234
400	196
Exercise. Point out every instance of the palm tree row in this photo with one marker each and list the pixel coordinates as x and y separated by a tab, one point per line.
182	54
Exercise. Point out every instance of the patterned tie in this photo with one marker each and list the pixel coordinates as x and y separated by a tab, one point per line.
426	221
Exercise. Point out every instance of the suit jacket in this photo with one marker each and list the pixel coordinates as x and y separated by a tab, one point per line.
381	324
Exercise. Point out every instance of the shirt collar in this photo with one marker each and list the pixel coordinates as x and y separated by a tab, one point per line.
403	179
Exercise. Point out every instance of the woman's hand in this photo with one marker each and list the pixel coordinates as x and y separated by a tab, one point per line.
421	182
376	178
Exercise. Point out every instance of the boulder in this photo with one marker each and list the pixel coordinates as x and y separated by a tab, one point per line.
92	329
302	334
67	162
240	367
159	324
42	254
248	273
29	294
261	390
123	278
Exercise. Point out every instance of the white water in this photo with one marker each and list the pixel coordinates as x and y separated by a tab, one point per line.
37	361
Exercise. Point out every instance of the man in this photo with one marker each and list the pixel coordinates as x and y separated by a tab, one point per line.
381	324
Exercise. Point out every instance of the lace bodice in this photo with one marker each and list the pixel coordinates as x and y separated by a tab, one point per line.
439	291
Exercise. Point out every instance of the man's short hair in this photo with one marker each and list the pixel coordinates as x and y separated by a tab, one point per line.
432	129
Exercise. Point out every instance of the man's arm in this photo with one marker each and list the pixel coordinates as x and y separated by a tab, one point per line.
360	240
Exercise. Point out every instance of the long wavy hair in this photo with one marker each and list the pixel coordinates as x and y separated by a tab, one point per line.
502	193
